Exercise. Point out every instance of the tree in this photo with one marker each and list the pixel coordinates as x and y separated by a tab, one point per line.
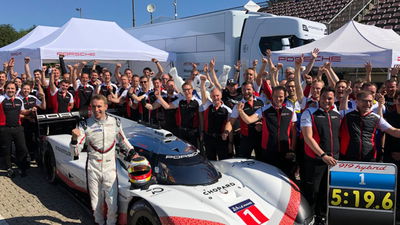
8	34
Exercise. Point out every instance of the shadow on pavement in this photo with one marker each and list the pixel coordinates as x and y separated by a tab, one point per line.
31	200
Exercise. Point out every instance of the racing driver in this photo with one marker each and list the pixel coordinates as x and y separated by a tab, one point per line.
101	133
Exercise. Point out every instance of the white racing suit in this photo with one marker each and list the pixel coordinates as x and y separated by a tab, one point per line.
101	136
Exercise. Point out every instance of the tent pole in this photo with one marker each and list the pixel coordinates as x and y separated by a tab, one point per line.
133	13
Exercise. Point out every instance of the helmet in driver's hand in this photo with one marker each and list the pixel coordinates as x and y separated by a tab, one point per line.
139	171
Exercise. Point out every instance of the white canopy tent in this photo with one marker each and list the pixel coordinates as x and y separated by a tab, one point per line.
84	39
352	45
36	34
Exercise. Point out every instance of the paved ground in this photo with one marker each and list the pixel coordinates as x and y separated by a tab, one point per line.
33	201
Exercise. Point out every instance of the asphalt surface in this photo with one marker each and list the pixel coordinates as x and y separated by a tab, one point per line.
32	200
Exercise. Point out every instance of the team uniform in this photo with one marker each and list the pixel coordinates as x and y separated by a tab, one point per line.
122	107
325	128
12	131
357	135
60	101
250	137
167	117
276	130
231	101
214	124
187	118
30	101
83	94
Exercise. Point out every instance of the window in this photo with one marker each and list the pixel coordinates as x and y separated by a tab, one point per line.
275	43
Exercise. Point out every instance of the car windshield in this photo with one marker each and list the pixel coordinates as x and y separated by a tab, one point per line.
187	169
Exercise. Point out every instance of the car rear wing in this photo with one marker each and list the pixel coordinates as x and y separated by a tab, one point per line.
57	123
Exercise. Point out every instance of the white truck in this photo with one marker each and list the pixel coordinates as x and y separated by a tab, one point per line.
228	36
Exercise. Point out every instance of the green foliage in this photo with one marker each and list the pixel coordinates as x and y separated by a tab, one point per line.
8	34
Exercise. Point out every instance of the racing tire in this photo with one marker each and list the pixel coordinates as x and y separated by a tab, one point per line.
50	166
141	213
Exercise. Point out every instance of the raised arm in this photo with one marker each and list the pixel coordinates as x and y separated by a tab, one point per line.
297	78
94	65
62	64
314	55
117	74
207	74
160	69
53	87
237	67
214	75
74	77
331	81
11	64
261	72
203	80
80	68
254	66
368	72
41	96
328	66
345	98
27	68
43	77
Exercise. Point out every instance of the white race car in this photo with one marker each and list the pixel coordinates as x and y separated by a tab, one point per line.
189	189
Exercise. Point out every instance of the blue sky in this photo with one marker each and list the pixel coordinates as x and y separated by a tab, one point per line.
23	14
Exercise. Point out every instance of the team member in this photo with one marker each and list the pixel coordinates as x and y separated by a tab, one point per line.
83	93
278	131
120	98
61	99
167	117
250	133
101	133
358	129
316	86
107	87
136	96
320	128
32	103
215	116
187	113
11	107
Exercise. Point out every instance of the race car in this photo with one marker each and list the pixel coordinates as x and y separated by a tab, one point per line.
187	188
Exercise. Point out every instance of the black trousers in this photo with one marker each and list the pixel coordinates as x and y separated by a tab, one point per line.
189	135
248	143
30	138
16	135
215	146
315	184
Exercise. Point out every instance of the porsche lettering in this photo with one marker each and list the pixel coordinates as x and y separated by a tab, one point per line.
181	156
309	58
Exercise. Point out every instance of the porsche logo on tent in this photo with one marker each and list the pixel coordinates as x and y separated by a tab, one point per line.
77	53
309	58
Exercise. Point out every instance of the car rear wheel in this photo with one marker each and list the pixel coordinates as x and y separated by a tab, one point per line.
50	165
140	213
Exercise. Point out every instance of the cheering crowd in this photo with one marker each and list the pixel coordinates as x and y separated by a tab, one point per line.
301	124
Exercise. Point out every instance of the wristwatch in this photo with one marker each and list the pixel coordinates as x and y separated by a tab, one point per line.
322	155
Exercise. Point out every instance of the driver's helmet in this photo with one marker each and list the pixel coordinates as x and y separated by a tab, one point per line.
139	171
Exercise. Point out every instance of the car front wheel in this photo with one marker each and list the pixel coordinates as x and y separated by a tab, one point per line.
140	213
50	165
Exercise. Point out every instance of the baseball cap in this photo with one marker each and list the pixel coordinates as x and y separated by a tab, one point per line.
231	82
